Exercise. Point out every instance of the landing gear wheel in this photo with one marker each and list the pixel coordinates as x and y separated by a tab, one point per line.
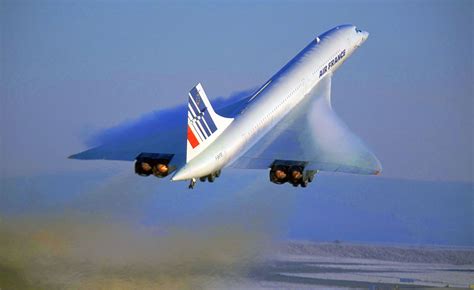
203	178
211	177
311	175
304	182
218	173
192	183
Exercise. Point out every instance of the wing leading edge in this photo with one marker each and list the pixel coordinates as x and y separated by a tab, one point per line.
162	132
167	142
312	133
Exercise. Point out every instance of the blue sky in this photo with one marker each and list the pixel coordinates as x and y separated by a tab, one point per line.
72	68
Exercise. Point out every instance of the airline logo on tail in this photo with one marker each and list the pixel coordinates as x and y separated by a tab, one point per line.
200	123
204	125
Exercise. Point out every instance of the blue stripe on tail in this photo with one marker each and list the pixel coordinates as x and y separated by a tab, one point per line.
195	109
199	109
210	122
197	99
204	126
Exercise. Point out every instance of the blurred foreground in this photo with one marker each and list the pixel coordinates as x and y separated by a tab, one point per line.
103	231
86	255
80	253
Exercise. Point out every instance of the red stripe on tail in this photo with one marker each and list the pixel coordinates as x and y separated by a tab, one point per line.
192	139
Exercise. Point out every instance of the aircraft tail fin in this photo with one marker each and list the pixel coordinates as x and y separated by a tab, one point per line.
204	124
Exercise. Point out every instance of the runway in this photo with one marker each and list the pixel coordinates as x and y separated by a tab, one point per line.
351	266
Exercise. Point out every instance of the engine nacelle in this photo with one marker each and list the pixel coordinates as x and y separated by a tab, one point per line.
153	163
293	172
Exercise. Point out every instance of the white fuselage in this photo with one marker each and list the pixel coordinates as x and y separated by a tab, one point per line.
276	98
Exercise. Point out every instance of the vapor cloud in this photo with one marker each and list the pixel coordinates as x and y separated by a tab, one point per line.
151	123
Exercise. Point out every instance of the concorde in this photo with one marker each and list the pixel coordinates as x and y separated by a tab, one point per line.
287	126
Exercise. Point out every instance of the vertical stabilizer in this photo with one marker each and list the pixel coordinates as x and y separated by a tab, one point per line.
204	125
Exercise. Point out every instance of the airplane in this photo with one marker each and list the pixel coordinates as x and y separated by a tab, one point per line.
287	126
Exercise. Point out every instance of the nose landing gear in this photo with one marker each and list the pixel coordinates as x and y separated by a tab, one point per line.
192	183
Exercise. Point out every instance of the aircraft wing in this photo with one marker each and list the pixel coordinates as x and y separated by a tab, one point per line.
313	133
159	132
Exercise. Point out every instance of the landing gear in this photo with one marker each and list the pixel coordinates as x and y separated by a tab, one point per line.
304	182
307	177
211	178
310	175
192	183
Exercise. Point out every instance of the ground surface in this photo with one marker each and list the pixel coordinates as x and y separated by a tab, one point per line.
109	257
348	266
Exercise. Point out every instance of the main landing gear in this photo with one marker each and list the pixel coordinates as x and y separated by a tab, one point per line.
211	178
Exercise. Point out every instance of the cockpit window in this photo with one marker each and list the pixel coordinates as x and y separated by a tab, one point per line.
358	30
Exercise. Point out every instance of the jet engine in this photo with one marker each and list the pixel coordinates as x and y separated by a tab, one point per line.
293	172
279	174
152	163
